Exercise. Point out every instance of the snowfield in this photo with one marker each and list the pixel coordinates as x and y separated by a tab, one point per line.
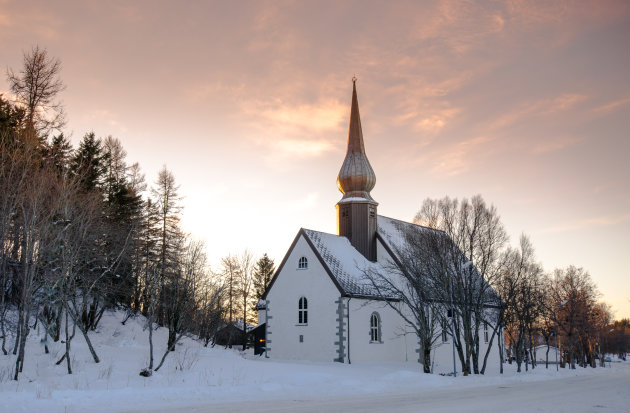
201	379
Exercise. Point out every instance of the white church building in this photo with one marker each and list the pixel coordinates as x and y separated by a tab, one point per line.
320	307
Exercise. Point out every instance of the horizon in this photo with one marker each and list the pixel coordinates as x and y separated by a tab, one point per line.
249	106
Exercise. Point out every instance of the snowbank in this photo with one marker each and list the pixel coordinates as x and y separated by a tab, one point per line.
194	375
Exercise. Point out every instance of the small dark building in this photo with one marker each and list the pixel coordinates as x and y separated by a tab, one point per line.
230	335
258	337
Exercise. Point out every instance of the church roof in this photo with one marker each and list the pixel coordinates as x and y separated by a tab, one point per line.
347	266
344	263
395	235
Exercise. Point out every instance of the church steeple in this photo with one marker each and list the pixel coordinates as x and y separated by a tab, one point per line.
356	211
356	178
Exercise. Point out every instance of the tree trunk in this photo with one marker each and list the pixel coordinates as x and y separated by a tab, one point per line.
485	357
547	357
427	359
3	332
23	326
499	343
3	303
89	343
151	343
168	350
244	323
83	331
18	329
67	355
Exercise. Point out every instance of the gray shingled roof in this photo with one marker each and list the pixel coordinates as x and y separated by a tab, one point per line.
345	263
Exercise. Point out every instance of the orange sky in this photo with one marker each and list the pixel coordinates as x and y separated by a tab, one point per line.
248	104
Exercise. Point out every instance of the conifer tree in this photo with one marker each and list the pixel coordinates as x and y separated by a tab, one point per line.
58	153
263	271
88	163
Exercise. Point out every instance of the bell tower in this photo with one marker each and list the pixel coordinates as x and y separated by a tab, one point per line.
356	211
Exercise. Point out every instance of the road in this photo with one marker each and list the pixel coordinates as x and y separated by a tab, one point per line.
588	393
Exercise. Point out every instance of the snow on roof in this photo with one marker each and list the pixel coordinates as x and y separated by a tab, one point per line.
393	232
396	233
346	264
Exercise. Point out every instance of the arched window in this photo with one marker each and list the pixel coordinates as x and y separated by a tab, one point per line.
302	311
375	328
303	263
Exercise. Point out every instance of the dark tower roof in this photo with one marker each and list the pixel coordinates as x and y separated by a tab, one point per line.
356	178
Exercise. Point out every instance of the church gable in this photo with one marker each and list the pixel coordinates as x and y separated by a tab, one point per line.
302	259
301	306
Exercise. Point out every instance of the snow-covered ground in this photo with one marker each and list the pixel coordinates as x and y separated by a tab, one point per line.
208	379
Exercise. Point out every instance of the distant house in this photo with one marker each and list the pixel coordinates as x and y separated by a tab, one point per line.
319	306
540	353
229	335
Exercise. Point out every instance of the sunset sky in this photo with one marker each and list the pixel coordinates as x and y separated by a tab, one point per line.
248	103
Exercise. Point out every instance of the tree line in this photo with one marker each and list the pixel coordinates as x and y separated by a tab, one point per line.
459	278
81	233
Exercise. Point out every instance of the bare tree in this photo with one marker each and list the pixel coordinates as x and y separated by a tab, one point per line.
230	272
116	165
573	295
211	314
520	287
82	274
36	87
35	214
15	166
245	284
182	302
149	273
411	285
475	259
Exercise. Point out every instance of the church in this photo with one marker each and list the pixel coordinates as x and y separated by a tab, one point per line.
319	306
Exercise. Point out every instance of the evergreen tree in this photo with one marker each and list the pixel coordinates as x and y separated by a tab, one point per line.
122	219
88	163
263	271
58	153
11	117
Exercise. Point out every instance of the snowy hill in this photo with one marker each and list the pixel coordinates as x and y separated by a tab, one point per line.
194	375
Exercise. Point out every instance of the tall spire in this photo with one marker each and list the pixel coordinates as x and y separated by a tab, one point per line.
356	178
356	211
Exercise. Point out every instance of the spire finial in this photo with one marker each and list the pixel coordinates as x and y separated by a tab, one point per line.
354	78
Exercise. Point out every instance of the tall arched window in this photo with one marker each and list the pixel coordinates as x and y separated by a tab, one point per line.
302	311
303	263
375	328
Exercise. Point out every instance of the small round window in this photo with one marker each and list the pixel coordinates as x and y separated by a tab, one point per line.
303	263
